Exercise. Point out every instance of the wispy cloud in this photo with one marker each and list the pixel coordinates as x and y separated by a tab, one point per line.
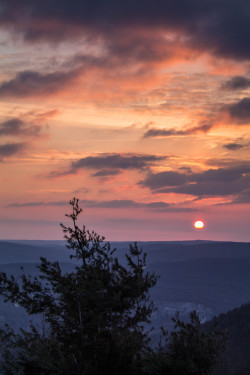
17	129
199	129
243	197
233	146
42	116
158	206
236	113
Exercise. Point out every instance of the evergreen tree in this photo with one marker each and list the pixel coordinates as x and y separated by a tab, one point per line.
188	350
94	316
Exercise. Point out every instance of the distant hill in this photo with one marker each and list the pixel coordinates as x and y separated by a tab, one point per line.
27	252
210	277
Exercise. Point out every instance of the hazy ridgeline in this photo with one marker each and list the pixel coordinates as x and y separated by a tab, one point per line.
209	277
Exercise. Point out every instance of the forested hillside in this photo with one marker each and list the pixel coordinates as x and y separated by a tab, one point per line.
236	358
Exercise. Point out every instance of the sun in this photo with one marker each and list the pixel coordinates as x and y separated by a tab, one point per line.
199	224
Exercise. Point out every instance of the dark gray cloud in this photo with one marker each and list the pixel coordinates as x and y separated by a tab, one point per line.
107	172
220	26
17	127
186	169
226	163
234	146
127	203
162	179
117	203
113	204
154	132
147	48
212	182
240	111
210	188
10	149
36	204
28	83
107	164
237	83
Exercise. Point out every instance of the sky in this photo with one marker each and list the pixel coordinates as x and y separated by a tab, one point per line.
141	109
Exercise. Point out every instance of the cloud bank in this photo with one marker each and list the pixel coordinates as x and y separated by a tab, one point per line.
219	26
209	183
111	164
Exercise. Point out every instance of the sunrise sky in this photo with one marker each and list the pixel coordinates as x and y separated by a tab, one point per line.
141	109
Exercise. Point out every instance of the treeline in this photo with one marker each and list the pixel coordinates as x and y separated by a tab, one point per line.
94	318
235	359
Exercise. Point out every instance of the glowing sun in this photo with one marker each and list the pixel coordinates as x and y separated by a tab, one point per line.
199	224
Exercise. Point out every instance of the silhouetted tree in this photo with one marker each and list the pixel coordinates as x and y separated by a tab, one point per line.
94	315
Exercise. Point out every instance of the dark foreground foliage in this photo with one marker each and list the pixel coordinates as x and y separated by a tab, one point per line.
235	360
94	317
188	350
